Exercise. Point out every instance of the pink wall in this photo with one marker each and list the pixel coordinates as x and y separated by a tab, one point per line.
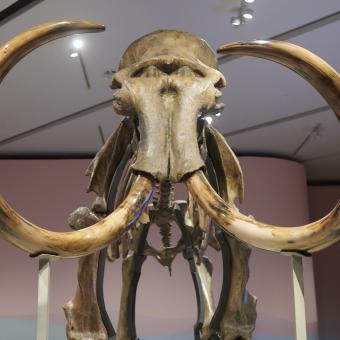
326	265
46	191
276	193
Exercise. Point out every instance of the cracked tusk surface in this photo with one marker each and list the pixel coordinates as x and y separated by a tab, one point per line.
35	240
305	239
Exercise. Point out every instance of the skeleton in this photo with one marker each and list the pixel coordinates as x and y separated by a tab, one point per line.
166	83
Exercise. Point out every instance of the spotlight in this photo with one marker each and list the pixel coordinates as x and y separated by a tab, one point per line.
249	1
74	53
247	13
208	119
236	21
77	43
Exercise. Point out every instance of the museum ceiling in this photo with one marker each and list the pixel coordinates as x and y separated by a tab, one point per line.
49	110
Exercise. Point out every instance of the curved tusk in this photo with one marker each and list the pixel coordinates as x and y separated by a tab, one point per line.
16	48
315	70
35	240
305	239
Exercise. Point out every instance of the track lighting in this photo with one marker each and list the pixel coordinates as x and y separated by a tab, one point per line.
236	21
74	53
244	13
247	13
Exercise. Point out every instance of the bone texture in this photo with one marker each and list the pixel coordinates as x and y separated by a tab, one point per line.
178	71
82	312
204	269
239	316
304	239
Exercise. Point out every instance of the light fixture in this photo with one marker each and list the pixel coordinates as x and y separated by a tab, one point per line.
236	21
208	119
218	114
247	13
244	13
77	43
74	53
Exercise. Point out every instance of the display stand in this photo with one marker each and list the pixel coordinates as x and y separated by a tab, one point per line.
44	295
299	298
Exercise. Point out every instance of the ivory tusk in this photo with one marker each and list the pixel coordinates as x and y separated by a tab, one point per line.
35	240
16	48
315	70
305	239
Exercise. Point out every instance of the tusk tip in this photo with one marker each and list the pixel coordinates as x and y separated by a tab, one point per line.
87	25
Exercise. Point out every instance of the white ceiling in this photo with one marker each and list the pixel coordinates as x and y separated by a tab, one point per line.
49	85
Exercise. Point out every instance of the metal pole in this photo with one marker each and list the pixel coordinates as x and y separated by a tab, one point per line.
299	299
44	295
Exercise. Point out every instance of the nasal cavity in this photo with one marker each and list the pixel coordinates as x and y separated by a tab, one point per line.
168	89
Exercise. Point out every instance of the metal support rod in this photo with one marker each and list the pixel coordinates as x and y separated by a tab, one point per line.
299	299
83	68
44	295
188	254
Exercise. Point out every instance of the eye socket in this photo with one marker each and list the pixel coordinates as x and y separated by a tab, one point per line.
149	71
186	71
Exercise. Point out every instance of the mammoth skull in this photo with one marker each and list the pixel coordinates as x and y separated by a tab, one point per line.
166	81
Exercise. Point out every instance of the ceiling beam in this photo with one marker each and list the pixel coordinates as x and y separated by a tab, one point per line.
278	121
56	122
223	59
293	33
16	9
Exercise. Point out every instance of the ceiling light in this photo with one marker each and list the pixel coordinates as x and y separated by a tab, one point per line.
77	43
208	119
74	53
249	1
262	42
247	13
218	114
236	21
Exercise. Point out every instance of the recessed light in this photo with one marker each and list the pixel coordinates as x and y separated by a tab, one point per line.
74	53
247	13
236	21
77	43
